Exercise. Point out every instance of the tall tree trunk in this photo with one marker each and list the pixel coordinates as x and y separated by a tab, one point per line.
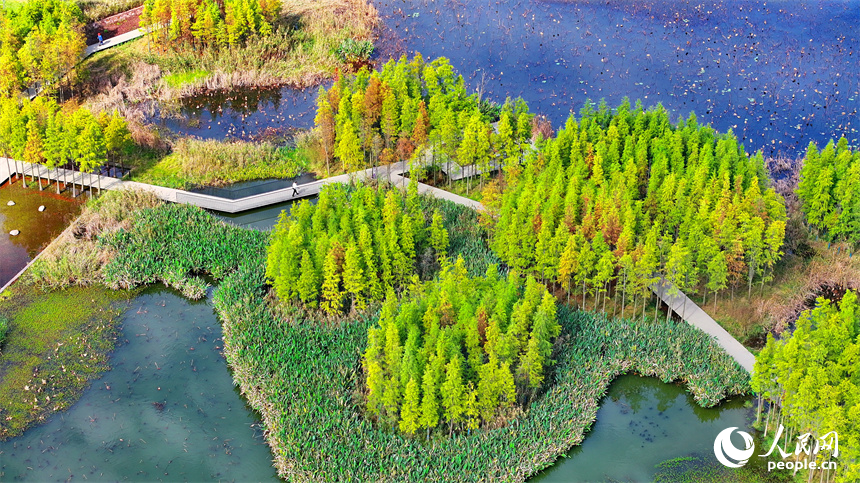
605	294
583	295
624	296
57	175
656	306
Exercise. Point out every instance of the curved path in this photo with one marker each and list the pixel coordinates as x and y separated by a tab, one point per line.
693	314
679	303
394	173
92	49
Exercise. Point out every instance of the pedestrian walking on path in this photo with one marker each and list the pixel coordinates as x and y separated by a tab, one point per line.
295	189
100	39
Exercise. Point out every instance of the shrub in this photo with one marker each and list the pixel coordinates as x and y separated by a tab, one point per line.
4	328
351	50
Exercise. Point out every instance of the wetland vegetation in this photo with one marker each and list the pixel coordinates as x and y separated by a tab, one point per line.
387	335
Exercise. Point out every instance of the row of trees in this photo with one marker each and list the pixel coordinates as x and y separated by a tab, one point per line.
627	197
813	380
389	115
40	133
829	191
355	245
209	22
40	41
460	351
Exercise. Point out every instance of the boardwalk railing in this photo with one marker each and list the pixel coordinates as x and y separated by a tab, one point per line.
679	302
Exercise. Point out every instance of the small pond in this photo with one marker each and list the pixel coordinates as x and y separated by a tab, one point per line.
244	189
243	113
36	228
167	411
641	423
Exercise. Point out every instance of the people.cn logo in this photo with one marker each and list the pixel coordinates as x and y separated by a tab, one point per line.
725	451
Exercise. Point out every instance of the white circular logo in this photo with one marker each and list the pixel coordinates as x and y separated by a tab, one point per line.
725	451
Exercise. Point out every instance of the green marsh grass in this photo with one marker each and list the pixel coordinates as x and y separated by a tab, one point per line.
58	342
305	380
211	162
182	79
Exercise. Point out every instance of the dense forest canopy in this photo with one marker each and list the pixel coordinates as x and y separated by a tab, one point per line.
40	132
209	22
391	114
625	195
829	190
461	350
354	246
813	377
40	40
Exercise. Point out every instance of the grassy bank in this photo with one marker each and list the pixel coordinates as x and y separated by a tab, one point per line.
302	51
303	378
210	163
58	341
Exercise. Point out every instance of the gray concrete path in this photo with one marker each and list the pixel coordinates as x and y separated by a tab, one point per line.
90	50
693	314
209	202
679	303
113	42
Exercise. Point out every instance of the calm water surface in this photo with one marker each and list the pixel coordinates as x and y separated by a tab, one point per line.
167	411
779	74
642	422
36	228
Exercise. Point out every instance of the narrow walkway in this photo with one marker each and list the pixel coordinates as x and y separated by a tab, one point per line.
679	303
209	202
113	42
693	314
90	50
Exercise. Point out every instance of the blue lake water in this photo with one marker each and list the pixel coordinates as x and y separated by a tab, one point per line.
779	74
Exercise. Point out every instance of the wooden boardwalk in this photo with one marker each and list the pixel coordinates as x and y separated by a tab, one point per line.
693	314
209	202
679	303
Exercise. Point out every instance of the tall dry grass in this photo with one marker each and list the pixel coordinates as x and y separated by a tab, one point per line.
99	9
196	162
833	266
75	257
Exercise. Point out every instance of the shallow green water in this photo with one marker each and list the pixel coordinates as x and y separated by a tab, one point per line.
37	228
168	411
641	423
171	355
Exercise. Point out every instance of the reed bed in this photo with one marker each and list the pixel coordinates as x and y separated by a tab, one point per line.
75	257
196	162
175	245
304	379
